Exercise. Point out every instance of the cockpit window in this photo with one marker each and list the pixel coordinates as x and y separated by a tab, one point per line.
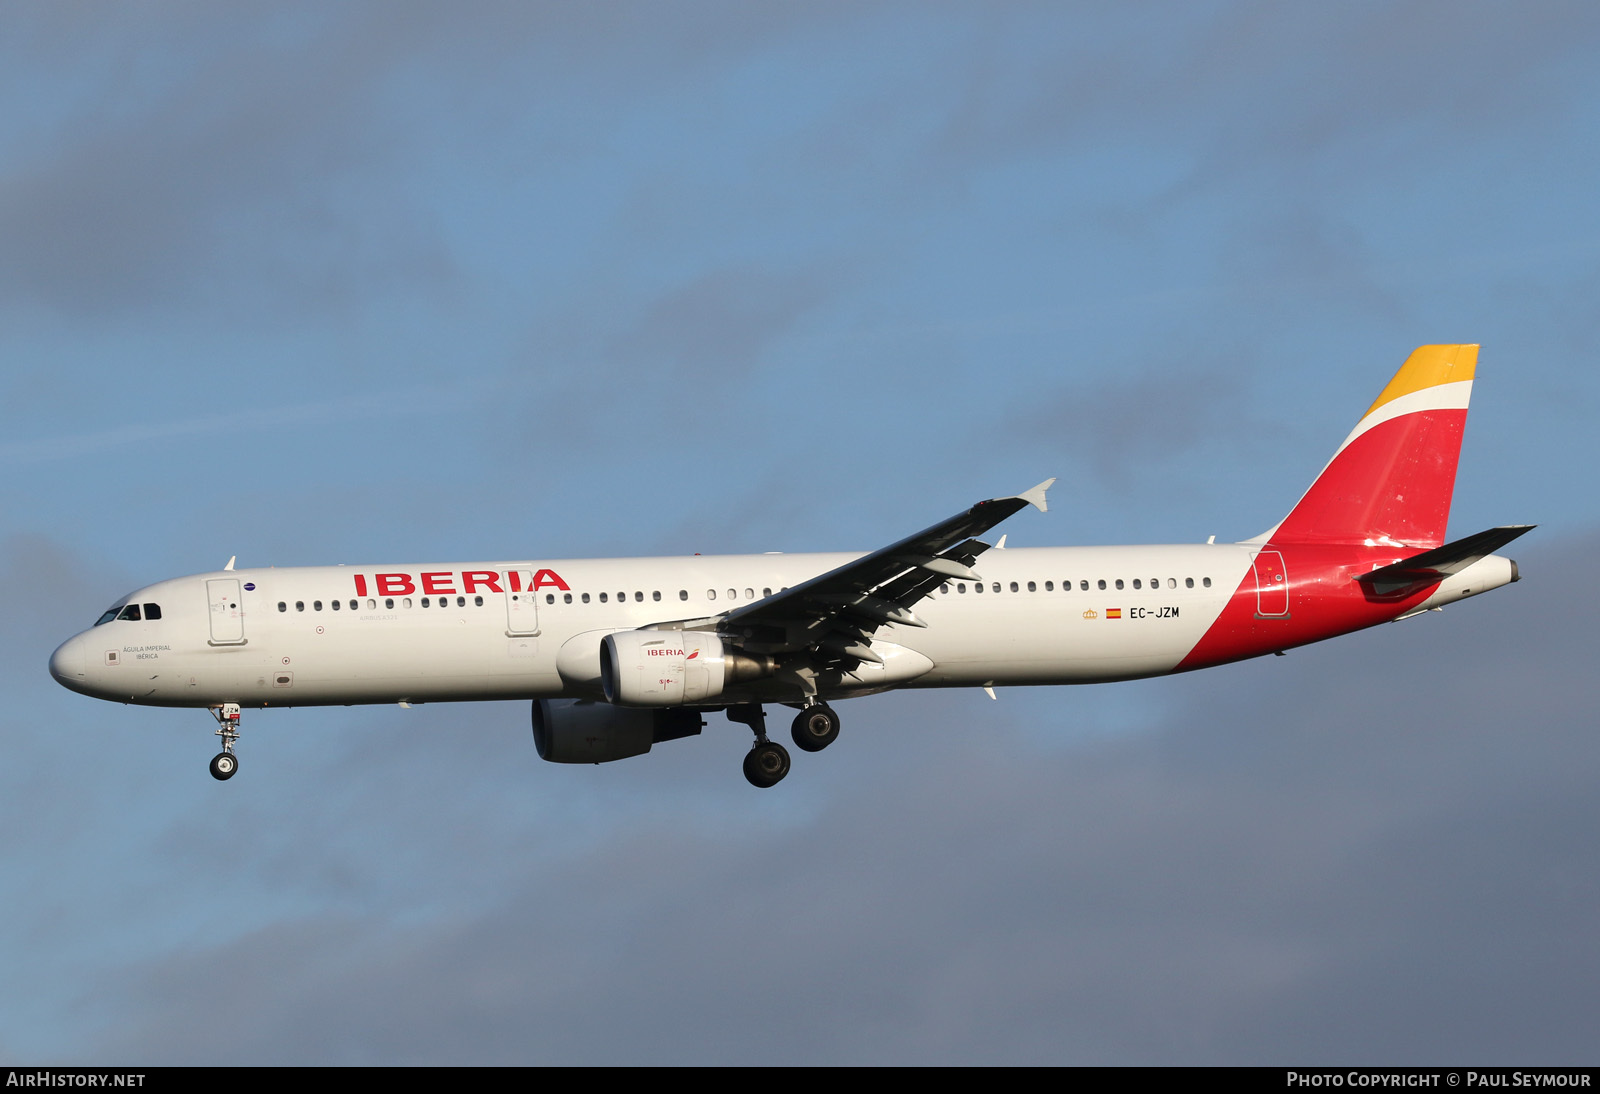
152	611
110	614
130	613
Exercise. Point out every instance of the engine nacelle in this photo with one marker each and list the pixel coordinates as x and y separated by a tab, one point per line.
657	668
580	731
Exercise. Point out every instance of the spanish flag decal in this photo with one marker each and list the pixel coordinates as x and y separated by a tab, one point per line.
1113	613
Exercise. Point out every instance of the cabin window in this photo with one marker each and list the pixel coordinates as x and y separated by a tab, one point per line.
389	603
336	605
1050	586
638	596
549	598
586	597
1206	581
406	603
603	598
566	598
1136	584
461	602
1172	583
425	603
749	594
1119	583
1032	588
766	592
1013	587
299	605
152	611
733	594
477	601
372	605
977	586
683	594
1084	585
961	586
945	588
1188	583
1102	583
282	607
711	594
655	594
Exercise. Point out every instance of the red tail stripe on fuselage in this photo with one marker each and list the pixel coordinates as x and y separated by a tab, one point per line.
1324	599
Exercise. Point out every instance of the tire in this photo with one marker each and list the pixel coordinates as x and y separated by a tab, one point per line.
815	728
223	765
766	764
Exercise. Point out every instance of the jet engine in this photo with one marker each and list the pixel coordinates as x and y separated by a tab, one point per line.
658	668
581	731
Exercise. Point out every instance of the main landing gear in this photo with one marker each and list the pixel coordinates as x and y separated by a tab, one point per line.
767	762
225	763
815	728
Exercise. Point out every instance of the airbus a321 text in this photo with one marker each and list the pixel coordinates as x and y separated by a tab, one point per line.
621	654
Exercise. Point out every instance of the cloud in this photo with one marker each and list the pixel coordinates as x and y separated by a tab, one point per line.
1376	849
1166	404
392	404
295	155
720	324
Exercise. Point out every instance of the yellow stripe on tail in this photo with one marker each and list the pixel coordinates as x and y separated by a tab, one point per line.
1430	366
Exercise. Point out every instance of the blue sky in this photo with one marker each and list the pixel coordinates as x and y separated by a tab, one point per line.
400	282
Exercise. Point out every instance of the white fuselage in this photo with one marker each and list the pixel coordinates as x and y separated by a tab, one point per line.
406	633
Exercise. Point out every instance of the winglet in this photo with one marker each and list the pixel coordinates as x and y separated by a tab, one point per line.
1035	497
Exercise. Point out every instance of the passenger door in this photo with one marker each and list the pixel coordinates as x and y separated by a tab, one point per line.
522	607
227	617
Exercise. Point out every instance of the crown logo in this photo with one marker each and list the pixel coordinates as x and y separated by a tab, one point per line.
1091	614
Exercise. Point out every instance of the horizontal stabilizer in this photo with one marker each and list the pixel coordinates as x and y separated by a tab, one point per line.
1440	562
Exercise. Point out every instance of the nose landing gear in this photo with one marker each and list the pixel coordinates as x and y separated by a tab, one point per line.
225	763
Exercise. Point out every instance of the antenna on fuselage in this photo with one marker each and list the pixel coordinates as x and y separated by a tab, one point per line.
231	560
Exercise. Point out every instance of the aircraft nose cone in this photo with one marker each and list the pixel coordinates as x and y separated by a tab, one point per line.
67	664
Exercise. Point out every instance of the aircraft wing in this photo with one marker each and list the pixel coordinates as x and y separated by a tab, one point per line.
838	612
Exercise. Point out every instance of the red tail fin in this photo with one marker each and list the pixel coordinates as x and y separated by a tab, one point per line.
1391	480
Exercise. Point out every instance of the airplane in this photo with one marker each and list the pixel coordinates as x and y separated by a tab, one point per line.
618	655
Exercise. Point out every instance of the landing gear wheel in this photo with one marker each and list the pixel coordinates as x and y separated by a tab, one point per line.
766	764
223	765
815	728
